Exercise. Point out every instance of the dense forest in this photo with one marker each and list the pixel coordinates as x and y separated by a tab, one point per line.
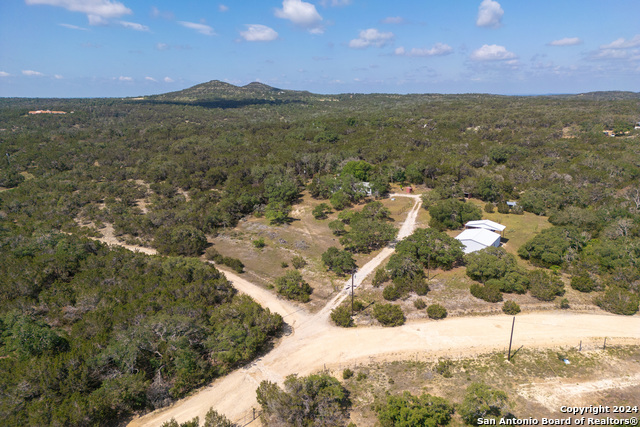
89	334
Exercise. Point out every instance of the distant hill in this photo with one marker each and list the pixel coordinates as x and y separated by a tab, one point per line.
603	96
217	90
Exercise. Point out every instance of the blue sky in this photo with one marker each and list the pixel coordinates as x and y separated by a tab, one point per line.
105	48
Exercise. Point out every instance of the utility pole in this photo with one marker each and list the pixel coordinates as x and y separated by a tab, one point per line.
511	339
352	278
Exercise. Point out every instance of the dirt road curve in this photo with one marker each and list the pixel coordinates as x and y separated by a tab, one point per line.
315	343
305	352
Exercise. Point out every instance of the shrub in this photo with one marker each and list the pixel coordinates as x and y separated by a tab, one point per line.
340	262
259	243
419	304
361	376
182	240
340	200
452	214
549	246
233	263
409	410
212	254
618	300
511	308
337	227
388	314
341	316
564	303
277	213
482	401
489	208
305	401
545	286
490	292
321	211
444	368
215	419
490	263
381	276
298	262
436	311
503	208
347	373
582	283
284	264
293	287
391	292
420	287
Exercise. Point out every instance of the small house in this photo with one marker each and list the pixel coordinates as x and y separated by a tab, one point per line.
475	239
408	189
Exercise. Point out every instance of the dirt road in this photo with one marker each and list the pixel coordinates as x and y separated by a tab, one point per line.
315	343
311	348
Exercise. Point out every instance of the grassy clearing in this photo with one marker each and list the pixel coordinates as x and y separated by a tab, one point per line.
538	382
520	228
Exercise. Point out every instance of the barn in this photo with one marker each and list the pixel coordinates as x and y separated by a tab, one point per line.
485	224
475	239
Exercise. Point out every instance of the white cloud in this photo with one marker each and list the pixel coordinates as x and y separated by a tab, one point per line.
98	11
620	49
609	54
567	41
58	77
168	80
492	53
371	37
125	79
32	73
259	33
393	20
438	49
201	28
4	74
151	79
302	14
622	43
223	8
134	26
162	46
96	20
489	14
73	27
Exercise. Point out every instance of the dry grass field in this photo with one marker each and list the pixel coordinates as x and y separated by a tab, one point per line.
304	236
537	382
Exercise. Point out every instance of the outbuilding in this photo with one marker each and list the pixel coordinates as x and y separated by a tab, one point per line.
475	239
485	224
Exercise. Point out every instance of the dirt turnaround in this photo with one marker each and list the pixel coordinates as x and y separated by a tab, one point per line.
314	343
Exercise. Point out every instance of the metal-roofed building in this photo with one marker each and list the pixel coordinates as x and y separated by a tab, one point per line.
475	239
485	224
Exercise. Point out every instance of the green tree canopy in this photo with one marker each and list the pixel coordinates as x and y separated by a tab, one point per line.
305	401
407	410
452	214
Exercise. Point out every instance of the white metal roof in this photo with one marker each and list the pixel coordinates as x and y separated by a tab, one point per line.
477	238
487	224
